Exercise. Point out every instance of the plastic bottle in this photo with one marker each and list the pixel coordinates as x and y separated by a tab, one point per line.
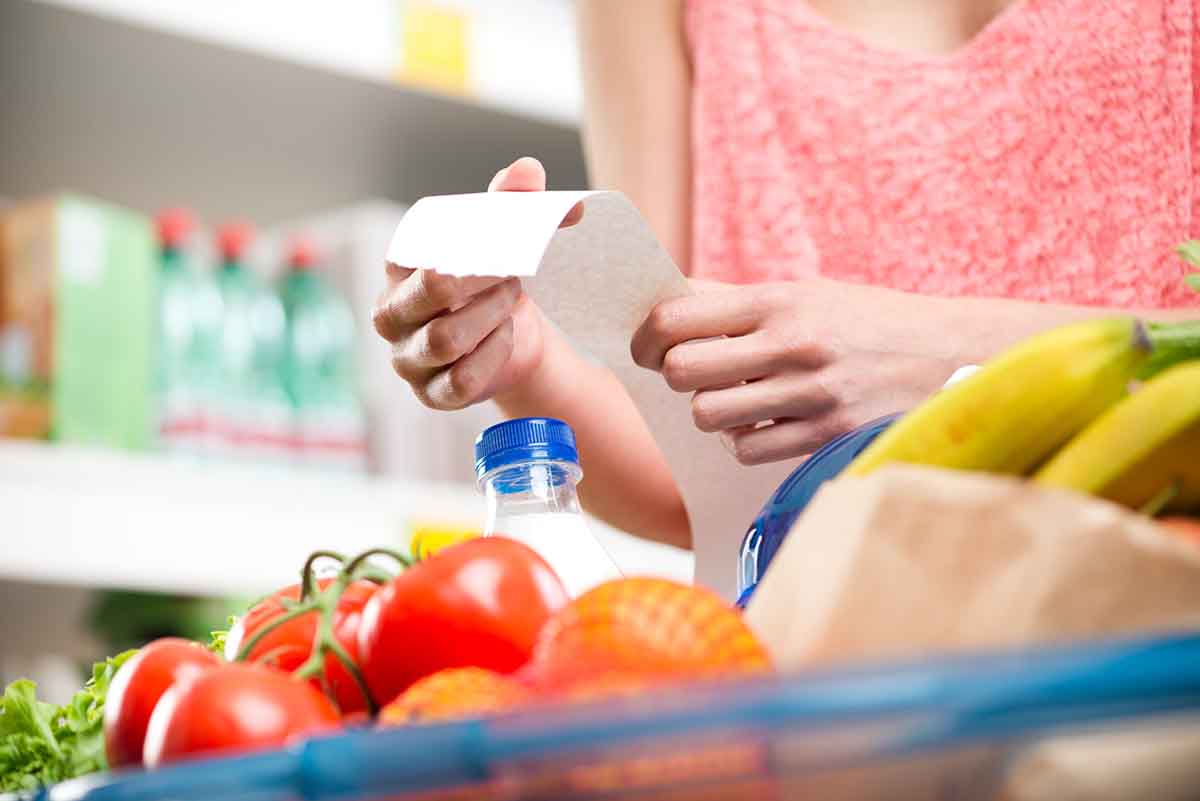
321	379
769	529
771	526
528	469
256	413
187	363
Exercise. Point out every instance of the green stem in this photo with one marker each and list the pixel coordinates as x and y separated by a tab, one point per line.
356	674
312	666
325	603
308	582
361	559
373	574
1160	500
326	643
291	614
1173	343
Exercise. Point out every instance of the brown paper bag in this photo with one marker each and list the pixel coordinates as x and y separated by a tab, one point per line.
912	560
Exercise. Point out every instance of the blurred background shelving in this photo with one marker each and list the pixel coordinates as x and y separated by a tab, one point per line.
321	118
276	108
103	519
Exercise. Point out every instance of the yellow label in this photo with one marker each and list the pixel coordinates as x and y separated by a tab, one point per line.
434	46
428	539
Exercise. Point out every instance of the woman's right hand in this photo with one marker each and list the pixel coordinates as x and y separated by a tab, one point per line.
459	341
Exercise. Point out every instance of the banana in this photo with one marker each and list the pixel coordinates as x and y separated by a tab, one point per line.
1144	452
1023	405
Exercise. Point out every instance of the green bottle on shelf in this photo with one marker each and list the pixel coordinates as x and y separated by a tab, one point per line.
321	376
256	419
188	344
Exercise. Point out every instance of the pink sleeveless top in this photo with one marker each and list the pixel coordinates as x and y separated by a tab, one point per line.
1052	158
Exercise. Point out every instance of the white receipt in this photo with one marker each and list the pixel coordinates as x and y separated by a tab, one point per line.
597	280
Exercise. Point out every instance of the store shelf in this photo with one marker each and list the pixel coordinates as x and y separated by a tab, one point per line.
520	54
149	104
97	518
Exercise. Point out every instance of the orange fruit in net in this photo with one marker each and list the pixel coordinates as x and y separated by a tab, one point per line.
635	633
455	694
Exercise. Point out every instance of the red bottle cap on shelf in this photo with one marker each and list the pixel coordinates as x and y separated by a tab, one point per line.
174	227
232	240
301	253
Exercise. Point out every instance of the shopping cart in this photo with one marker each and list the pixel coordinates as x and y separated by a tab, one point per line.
946	728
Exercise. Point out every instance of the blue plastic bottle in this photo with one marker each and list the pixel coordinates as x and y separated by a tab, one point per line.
768	530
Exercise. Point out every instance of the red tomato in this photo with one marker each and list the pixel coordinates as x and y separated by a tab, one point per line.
289	646
136	688
234	708
479	603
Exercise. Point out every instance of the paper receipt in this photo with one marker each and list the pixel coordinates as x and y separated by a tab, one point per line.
597	280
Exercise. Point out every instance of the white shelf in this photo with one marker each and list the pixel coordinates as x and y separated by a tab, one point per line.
257	110
96	518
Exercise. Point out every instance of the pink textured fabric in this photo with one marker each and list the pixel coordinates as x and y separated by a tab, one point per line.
1052	158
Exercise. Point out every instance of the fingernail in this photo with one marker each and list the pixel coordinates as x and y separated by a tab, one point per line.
497	178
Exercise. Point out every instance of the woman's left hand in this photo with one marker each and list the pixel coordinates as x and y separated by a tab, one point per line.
780	369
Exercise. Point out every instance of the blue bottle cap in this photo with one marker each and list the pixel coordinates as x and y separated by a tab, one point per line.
523	440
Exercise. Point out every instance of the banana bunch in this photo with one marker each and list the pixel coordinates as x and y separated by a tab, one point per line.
1059	408
1144	452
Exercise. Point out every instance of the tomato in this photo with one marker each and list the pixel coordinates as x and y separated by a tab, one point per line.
231	709
288	647
137	687
479	603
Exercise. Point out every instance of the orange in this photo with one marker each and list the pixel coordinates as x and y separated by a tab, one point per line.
455	694
635	633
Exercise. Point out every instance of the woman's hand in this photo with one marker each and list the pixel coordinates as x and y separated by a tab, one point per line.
459	341
780	369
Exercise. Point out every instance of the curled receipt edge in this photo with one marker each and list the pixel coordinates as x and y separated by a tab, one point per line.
597	281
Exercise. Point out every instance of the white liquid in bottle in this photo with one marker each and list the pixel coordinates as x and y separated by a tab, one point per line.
528	469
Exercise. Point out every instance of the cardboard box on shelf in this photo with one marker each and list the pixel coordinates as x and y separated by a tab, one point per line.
76	322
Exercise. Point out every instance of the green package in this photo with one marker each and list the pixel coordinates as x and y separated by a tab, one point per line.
77	279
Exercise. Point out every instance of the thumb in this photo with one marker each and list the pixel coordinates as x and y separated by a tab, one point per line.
526	174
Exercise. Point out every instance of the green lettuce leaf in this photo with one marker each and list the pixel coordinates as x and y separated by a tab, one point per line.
29	751
217	639
41	743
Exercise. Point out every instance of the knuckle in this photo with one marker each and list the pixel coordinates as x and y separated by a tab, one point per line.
443	340
676	370
797	347
422	393
744	451
381	319
404	367
443	291
765	299
463	383
661	320
705	414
